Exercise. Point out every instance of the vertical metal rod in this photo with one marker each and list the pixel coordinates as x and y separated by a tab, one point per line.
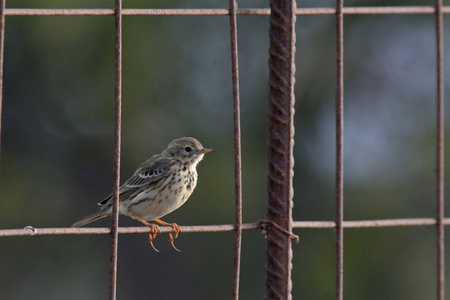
117	143
280	147
340	150
440	152
237	150
2	53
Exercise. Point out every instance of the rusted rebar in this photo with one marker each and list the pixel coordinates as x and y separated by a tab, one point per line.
281	144
117	148
378	10
339	150
279	253
440	152
237	151
29	230
2	53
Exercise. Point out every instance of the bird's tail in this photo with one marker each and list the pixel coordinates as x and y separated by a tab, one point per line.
94	217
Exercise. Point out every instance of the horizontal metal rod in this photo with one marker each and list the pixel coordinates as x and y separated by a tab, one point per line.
106	230
222	228
370	223
220	11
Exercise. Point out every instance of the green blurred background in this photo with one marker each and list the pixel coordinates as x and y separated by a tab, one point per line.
57	149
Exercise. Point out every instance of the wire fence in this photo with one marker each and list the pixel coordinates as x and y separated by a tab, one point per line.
279	222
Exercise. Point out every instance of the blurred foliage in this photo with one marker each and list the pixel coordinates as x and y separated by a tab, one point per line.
57	140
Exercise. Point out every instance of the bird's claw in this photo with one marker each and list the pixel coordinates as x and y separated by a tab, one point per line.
155	230
176	229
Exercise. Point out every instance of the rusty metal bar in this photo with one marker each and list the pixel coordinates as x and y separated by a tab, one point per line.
2	53
340	150
121	230
117	148
221	11
440	153
281	143
225	227
370	223
237	150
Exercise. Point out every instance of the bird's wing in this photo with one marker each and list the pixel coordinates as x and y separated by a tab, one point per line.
149	172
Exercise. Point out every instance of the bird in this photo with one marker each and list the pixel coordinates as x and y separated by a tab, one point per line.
158	187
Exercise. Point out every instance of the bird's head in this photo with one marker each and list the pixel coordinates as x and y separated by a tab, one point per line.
186	149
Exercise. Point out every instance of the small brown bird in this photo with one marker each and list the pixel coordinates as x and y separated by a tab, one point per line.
159	186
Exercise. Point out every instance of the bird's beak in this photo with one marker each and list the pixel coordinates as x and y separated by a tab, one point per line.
204	151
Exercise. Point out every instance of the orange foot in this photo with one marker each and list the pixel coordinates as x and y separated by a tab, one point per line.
154	231
176	229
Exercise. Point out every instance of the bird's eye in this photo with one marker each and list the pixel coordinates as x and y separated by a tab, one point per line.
188	149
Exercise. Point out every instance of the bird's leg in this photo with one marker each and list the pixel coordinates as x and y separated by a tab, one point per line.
154	231
176	229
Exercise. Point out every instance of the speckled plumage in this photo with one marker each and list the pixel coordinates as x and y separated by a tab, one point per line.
159	186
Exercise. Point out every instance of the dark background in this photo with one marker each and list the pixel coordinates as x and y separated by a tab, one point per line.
57	149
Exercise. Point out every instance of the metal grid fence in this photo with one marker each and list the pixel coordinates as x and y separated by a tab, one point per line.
279	223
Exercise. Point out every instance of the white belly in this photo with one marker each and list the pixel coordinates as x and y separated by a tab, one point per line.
154	204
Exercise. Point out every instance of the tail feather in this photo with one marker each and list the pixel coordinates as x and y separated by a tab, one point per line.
94	217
